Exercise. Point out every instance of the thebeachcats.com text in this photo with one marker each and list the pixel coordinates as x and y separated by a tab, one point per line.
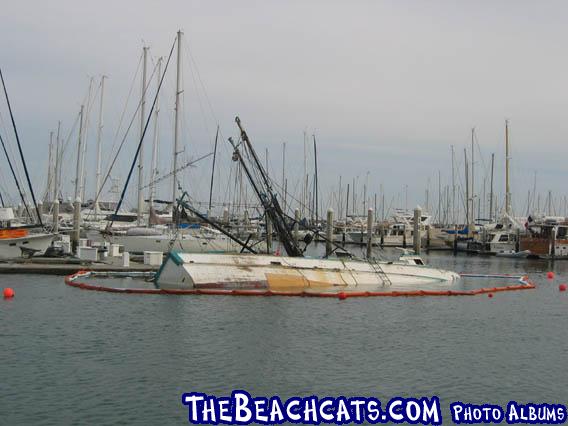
240	408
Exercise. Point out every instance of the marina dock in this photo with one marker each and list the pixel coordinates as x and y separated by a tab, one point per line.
66	266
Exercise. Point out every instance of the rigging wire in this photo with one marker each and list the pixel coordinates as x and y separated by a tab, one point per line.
15	177
143	133
20	149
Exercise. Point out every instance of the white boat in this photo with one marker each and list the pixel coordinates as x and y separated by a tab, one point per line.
514	254
201	240
18	241
29	245
241	271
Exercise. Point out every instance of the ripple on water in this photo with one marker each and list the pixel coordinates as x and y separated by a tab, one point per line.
75	357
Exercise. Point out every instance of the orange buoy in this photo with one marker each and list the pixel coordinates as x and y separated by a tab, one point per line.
562	287
9	292
490	295
550	275
342	296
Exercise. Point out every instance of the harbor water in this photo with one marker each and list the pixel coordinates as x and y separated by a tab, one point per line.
77	357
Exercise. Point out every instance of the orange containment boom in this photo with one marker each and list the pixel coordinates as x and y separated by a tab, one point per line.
72	280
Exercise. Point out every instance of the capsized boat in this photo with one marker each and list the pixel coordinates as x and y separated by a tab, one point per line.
247	272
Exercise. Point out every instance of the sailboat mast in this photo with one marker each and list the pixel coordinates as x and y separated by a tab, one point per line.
57	165
213	170
472	175
142	123
176	125
20	151
49	168
466	189
79	147
305	180
453	189
491	189
154	166
316	178
85	142
507	189
99	149
440	198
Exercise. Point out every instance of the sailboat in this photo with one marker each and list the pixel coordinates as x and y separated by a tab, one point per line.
247	271
17	241
137	237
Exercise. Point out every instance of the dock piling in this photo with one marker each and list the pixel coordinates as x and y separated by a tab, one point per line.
416	235
329	232
56	216
296	225
76	224
268	235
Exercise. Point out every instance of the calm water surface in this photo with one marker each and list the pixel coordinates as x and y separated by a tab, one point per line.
75	357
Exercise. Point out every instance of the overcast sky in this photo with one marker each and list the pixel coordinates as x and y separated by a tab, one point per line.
386	86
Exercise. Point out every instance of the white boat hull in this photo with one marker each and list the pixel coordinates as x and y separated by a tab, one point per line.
11	248
193	271
182	242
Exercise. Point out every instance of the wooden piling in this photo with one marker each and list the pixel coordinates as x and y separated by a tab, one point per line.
268	235
296	225
329	232
56	216
76	224
416	235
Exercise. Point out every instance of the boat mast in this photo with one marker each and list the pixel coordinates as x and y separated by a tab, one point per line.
79	147
99	150
472	211
140	211
213	170
491	189
49	168
315	178
466	190
507	189
85	141
440	197
347	205
453	189
305	180
154	166
57	165
284	185
176	125
339	201
20	150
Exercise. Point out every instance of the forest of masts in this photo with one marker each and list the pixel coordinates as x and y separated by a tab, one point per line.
466	192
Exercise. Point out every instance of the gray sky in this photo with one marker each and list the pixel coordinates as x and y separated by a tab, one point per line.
386	86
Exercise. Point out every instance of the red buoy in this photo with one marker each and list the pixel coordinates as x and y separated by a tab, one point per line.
562	287
550	275
490	295
342	296
9	292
